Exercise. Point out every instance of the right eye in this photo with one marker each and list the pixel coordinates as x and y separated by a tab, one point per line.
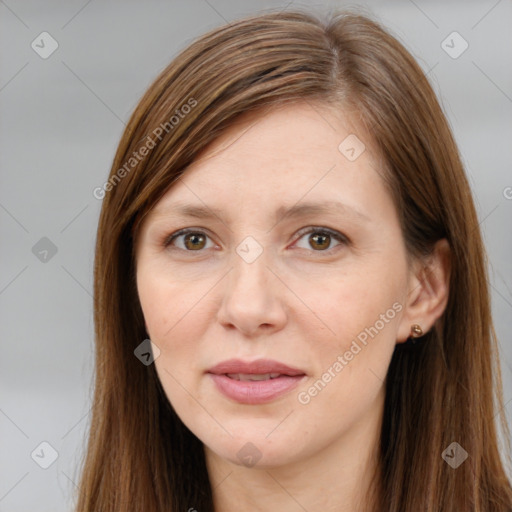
190	240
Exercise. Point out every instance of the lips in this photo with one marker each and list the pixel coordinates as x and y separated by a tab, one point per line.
254	382
259	367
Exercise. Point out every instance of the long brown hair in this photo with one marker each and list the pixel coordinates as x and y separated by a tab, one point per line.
444	389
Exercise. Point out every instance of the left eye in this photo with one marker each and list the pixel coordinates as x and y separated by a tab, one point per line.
321	238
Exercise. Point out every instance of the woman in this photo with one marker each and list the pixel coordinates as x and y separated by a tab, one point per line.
291	304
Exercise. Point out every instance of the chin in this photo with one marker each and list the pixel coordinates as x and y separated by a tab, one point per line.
256	451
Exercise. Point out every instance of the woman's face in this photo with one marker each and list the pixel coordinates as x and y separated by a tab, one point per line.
276	330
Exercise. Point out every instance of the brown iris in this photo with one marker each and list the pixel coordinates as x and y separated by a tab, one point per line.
323	240
194	241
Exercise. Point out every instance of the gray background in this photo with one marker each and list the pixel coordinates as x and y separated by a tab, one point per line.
61	119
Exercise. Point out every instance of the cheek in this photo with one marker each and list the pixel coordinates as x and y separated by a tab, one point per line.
154	299
362	311
357	302
173	313
168	309
164	304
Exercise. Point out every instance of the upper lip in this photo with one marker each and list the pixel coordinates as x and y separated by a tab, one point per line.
258	367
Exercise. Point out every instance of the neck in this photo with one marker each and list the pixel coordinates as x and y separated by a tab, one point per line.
337	478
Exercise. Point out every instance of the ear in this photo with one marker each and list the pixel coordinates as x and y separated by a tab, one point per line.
428	291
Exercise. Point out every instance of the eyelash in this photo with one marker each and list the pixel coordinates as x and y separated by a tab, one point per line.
340	237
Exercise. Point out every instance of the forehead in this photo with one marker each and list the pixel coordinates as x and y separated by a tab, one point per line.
292	154
283	133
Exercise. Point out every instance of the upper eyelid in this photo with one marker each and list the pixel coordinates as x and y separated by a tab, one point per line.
313	229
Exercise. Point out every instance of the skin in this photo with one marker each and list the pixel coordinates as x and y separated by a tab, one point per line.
295	303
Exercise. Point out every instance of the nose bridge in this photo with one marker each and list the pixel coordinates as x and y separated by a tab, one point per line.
250	274
251	294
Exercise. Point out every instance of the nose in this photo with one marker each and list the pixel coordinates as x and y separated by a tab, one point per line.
252	298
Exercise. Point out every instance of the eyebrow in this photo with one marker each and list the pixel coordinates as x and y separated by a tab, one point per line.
296	211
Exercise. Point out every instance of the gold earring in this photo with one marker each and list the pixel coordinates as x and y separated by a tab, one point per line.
416	331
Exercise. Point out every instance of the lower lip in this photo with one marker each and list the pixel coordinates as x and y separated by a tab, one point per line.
255	391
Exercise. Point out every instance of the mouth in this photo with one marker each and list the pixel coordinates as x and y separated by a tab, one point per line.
253	376
255	382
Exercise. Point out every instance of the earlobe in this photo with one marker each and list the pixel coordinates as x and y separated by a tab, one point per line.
428	294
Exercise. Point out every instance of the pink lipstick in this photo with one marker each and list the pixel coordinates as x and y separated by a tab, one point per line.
255	382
